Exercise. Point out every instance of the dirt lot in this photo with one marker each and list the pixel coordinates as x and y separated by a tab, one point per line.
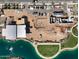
41	29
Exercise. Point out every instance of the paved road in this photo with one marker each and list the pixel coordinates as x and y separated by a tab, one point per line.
32	0
15	0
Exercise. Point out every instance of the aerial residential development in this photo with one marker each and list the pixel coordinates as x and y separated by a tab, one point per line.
49	25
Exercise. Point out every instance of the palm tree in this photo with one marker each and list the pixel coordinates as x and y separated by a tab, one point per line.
8	6
5	6
35	0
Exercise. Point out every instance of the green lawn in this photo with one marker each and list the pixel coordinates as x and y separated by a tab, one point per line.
48	50
70	42
75	31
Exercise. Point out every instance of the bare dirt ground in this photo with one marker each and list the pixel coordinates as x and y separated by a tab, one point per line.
41	29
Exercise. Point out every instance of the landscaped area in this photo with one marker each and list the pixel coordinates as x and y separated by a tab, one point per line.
48	50
75	31
70	42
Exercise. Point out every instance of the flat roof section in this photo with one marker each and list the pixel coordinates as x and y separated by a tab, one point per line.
21	31
10	32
